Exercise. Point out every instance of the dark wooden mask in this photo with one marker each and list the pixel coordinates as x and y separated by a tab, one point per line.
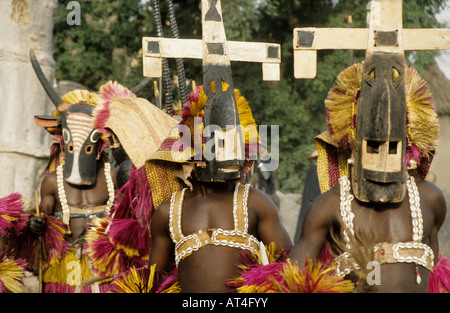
378	174
77	128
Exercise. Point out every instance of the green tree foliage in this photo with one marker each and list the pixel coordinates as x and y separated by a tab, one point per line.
107	46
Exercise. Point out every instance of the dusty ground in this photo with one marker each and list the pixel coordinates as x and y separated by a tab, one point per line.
289	209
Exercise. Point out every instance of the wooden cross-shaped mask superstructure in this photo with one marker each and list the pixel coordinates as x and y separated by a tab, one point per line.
213	33
385	33
225	161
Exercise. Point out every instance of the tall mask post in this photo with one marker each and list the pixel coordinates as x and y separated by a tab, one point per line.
224	161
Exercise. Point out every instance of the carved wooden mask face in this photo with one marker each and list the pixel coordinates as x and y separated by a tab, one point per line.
80	140
378	174
80	145
77	128
226	160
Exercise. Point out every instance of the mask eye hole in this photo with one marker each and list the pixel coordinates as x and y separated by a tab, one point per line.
66	135
395	74
373	147
70	148
89	149
372	75
94	136
393	147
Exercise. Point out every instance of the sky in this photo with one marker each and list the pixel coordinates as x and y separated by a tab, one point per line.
443	60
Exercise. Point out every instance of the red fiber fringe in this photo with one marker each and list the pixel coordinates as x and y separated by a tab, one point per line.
125	234
26	245
12	207
439	280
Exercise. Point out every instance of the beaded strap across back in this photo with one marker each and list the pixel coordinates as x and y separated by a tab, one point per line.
236	238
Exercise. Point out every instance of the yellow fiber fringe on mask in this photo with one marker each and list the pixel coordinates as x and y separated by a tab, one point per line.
246	119
81	97
341	105
422	126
